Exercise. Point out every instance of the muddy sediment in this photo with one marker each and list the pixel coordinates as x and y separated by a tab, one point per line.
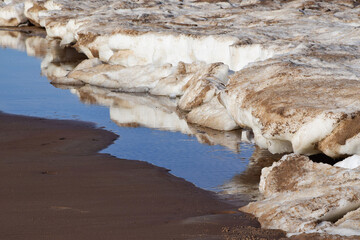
54	185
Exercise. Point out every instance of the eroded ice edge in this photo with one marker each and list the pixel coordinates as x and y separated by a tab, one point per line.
148	125
289	71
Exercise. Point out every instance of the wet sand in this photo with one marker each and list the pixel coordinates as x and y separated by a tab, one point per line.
55	185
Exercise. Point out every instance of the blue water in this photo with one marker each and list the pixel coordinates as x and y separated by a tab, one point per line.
24	91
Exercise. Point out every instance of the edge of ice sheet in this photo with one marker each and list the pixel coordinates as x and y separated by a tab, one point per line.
250	42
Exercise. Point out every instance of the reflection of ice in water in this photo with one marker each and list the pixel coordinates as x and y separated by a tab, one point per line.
14	40
247	182
207	165
133	110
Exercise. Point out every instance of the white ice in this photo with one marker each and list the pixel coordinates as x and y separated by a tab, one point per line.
349	162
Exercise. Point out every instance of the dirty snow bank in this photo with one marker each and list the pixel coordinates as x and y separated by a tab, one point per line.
303	196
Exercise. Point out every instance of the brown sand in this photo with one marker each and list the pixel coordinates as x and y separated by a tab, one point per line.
55	185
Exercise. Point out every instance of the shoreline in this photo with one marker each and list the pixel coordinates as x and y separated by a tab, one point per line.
121	40
230	65
56	185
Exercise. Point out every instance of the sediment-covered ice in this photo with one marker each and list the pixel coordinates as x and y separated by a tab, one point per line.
349	224
301	195
293	65
12	13
294	105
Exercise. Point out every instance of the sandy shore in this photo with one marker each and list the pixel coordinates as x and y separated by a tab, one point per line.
55	185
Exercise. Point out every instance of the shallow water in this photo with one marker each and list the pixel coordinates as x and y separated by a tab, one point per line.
24	91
